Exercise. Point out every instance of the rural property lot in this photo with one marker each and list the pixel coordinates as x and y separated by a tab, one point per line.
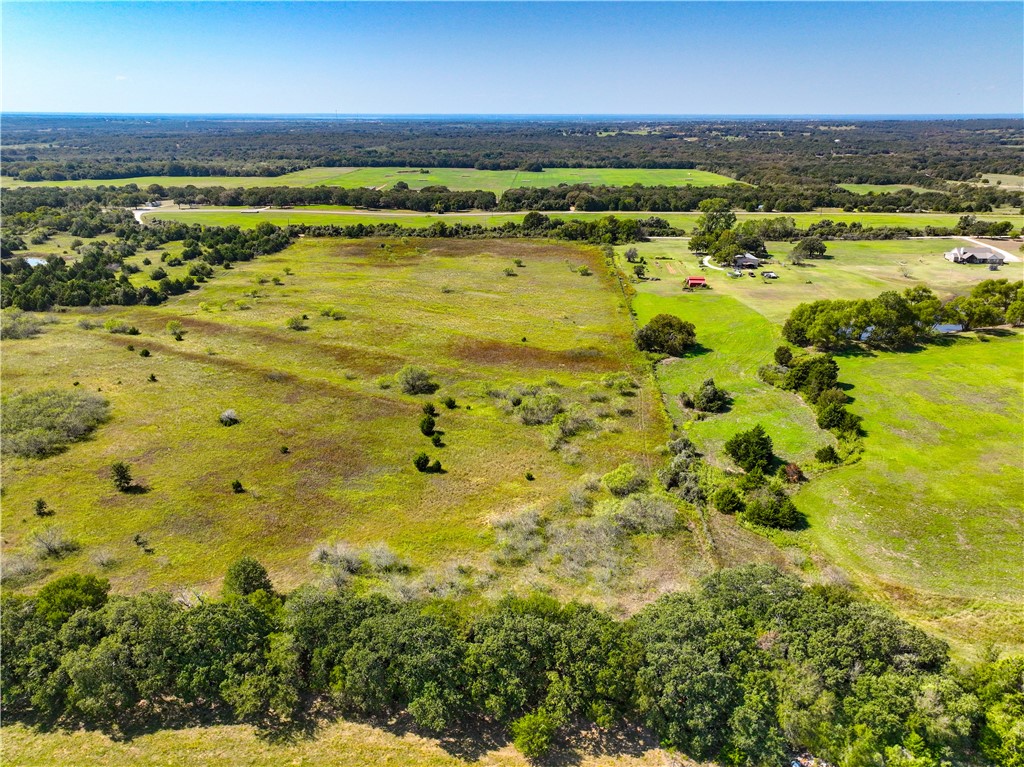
940	480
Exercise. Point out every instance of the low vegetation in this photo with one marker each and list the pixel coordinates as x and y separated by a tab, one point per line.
39	424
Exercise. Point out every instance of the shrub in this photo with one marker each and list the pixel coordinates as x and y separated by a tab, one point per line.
16	324
158	274
52	543
827	454
175	330
584	271
435	467
518	537
534	410
246	576
296	323
229	417
152	378
783	356
666	334
334	314
728	501
750	449
831	396
624	480
427	425
773	509
61	598
43	423
533	733
449	402
435	440
509	271
121	476
641	513
429	409
41	509
530	477
421	462
792	473
144	353
415	380
121	327
710	399
236	486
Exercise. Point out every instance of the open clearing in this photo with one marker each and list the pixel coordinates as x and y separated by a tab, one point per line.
880	188
929	519
348	473
345	216
496	181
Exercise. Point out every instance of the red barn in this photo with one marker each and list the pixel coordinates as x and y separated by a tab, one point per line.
696	282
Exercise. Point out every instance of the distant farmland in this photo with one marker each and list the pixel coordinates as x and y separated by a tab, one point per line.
496	181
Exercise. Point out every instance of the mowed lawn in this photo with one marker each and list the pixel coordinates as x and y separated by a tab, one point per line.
929	519
348	473
496	181
687	221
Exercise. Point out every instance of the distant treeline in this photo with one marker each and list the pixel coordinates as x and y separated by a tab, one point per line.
766	151
748	669
580	197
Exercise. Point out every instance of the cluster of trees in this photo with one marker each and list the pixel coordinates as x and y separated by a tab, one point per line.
816	378
99	275
666	334
748	668
898	320
773	151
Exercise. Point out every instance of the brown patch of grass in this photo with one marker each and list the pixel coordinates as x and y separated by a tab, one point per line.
483	351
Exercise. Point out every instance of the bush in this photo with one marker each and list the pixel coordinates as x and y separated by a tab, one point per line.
666	334
43	423
427	425
229	417
421	462
144	353
246	576
728	501
436	441
175	330
121	475
827	454
16	324
296	323
120	327
449	402
624	480
236	486
334	314
783	356
792	473
534	410
533	733
773	509
518	537
429	409
415	380
710	399
640	514
52	543
61	598
508	271
750	449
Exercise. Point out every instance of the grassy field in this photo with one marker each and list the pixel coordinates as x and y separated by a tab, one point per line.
940	481
880	188
496	181
341	217
348	473
1005	180
348	743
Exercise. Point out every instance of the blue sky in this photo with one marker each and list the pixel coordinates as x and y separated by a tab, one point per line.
505	58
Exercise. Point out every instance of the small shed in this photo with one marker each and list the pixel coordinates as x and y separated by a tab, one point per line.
696	282
746	261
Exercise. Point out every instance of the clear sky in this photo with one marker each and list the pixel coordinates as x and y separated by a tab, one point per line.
514	58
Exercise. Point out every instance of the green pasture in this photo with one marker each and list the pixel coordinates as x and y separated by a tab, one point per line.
929	519
496	181
1004	180
348	472
881	188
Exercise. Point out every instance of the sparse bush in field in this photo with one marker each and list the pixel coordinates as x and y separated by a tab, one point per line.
509	271
625	412
598	397
296	323
429	409
152	378
332	313
229	417
236	486
427	424
276	280
449	402
284	449
750	449
121	476
85	324
380	558
384	382
728	501
435	467
41	509
827	454
175	330
773	375
130	347
624	480
144	353
518	537
534	410
435	440
246	576
104	559
783	356
584	271
685	400
19	569
43	423
710	399
589	546
16	324
421	462
415	380
120	326
568	424
621	382
339	555
642	513
52	543
530	477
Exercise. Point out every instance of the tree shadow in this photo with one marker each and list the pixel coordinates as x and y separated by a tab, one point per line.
136	488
